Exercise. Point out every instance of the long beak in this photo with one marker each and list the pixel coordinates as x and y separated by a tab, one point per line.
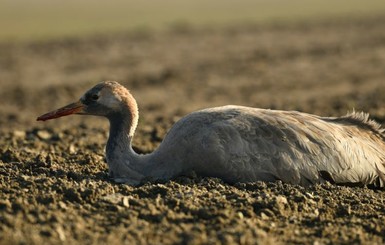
73	108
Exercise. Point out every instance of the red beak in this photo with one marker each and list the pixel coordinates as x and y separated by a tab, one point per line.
73	108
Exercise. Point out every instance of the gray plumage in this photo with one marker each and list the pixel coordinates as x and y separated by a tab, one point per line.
241	144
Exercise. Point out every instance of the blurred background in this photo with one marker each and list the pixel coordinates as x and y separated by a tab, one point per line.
318	56
24	20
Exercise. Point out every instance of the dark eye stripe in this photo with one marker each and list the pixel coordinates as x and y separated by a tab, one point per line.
89	98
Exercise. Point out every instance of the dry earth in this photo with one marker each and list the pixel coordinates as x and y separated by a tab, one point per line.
53	176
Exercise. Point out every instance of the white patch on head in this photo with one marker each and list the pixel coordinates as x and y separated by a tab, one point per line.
109	99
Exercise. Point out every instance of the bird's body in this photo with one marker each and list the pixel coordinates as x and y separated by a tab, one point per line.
241	144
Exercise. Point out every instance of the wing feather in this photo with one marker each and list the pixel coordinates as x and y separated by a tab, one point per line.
293	147
247	144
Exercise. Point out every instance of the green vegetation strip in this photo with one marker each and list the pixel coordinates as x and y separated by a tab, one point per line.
25	20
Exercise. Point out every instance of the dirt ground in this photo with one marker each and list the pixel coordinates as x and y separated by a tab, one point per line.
53	176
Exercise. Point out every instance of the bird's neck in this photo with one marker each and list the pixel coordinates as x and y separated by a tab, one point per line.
125	165
122	160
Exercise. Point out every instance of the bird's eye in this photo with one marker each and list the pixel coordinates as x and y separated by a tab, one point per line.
94	97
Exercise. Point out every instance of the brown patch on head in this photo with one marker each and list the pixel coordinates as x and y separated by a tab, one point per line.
112	89
121	93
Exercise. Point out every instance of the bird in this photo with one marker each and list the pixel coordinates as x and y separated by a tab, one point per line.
238	143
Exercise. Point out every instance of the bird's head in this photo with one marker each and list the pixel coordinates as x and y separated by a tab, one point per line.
105	99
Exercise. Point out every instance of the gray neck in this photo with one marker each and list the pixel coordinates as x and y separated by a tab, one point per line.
123	162
126	166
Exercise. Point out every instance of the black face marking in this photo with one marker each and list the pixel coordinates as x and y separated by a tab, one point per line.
94	97
90	98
